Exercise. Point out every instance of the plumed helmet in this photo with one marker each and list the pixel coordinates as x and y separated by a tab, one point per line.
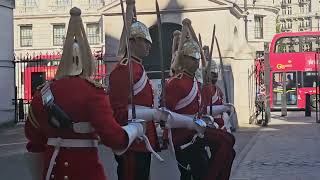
140	30
76	58
192	49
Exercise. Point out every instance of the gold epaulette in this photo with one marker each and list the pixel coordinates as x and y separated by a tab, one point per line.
124	61
96	83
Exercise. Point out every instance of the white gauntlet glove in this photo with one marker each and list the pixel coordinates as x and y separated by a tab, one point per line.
219	109
176	120
134	129
149	114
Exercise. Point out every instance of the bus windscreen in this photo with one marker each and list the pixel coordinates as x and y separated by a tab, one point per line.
297	44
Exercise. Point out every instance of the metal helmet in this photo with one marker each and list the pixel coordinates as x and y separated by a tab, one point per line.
76	58
192	49
214	67
140	30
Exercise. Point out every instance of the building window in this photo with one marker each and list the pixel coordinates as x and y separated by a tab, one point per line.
301	9
290	24
308	6
62	2
258	27
289	10
30	3
95	2
26	36
58	34
308	24
93	33
284	11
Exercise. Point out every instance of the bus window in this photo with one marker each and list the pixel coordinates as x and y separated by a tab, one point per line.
310	43
309	79
291	88
297	44
287	44
299	79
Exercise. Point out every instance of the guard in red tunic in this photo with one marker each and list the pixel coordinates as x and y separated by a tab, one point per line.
135	163
222	111
69	115
183	98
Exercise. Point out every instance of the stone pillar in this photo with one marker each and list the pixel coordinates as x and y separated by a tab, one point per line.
7	86
243	59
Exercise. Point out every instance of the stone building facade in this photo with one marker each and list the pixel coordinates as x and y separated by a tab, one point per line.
228	17
299	15
261	22
40	25
6	62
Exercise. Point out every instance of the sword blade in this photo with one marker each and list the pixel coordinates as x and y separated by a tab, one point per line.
159	23
222	72
210	60
129	61
212	40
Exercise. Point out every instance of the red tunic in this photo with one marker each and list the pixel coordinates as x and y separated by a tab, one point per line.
220	164
177	88
119	97
83	102
214	96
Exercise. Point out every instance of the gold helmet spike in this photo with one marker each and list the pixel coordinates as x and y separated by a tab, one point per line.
76	58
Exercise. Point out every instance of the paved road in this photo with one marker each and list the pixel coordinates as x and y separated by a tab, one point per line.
13	166
289	149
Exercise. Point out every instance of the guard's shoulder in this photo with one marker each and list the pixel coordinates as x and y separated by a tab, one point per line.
176	78
95	83
124	61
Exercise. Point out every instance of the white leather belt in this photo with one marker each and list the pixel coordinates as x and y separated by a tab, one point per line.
72	142
59	142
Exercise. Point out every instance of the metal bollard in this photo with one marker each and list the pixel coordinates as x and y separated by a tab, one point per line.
308	106
21	109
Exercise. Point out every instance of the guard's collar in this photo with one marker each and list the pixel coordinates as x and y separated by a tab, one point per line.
137	59
188	74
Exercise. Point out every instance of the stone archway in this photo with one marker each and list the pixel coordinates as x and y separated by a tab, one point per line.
152	62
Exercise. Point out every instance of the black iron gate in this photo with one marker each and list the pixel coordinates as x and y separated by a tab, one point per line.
257	91
33	70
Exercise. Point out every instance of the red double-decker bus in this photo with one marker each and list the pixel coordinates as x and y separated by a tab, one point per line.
43	68
294	64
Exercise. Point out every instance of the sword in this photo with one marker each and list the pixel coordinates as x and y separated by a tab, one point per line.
163	83
130	16
126	34
222	72
203	69
210	61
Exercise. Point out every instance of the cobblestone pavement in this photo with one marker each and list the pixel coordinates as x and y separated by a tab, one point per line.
288	149
13	166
